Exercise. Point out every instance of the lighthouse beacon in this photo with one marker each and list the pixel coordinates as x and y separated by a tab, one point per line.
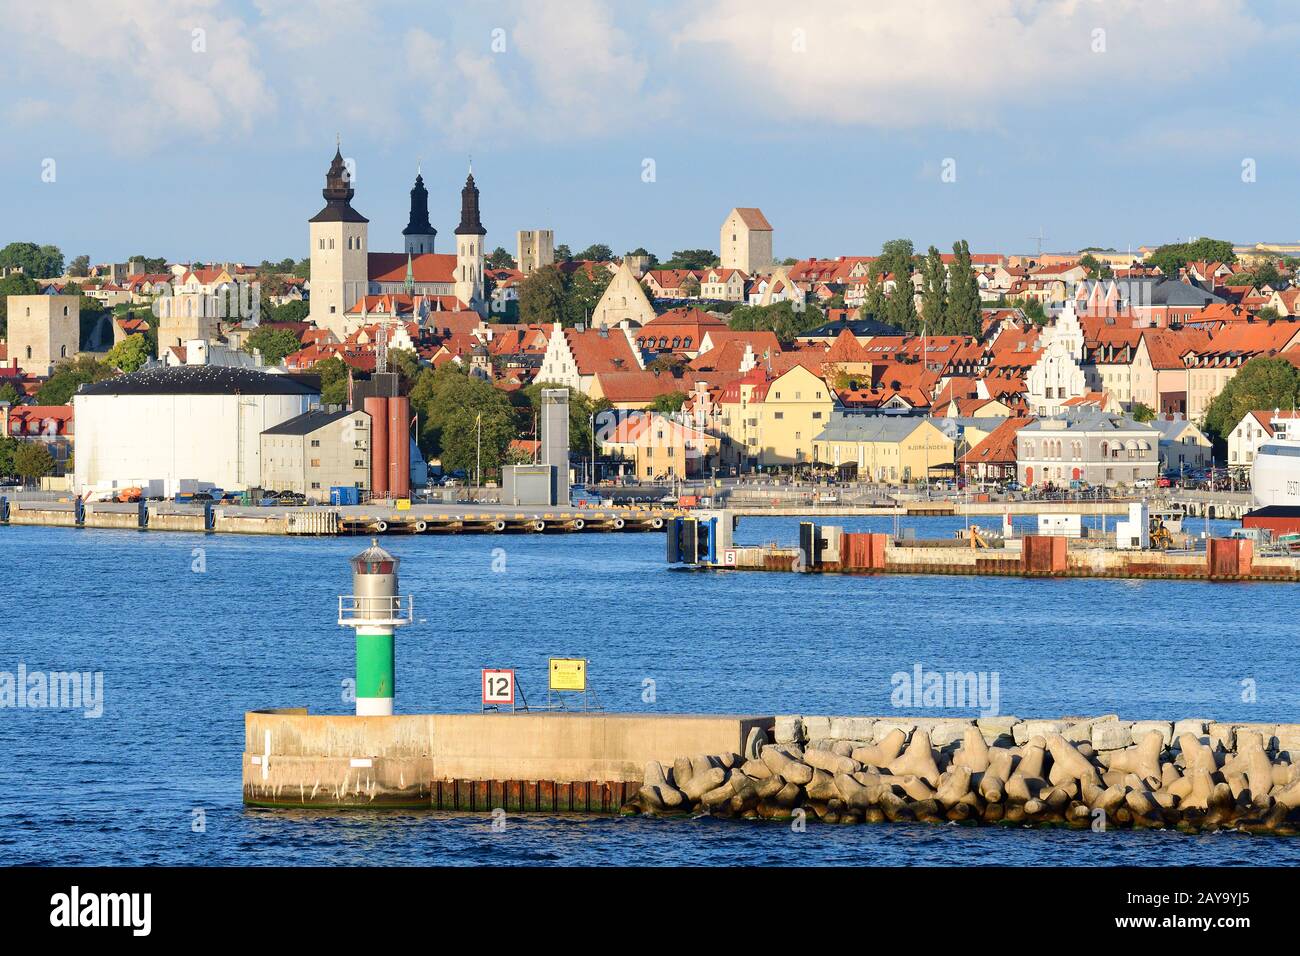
375	609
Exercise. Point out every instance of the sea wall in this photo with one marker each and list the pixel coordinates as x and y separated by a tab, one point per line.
1096	772
292	758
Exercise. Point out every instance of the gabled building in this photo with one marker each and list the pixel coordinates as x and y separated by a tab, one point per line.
624	300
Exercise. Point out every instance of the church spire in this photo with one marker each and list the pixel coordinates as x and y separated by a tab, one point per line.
419	232
470	225
338	193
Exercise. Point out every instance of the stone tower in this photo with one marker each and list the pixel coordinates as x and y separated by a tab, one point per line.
419	232
43	331
469	249
746	241
536	248
340	274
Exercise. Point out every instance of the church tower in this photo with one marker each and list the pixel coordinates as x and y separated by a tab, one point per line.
469	249
340	274
419	232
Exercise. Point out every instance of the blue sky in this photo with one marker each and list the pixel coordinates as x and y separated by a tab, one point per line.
1102	122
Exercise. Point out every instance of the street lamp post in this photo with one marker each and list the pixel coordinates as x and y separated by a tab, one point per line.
478	451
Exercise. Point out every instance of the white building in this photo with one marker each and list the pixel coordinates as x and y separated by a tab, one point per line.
1253	429
1058	374
168	427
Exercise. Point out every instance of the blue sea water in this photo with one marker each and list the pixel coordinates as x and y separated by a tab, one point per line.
185	652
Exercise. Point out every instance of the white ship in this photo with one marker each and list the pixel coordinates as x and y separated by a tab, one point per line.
1275	473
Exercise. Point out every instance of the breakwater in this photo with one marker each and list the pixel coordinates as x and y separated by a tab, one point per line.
1098	773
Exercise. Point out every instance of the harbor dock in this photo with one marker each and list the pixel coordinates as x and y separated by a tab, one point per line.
369	519
703	541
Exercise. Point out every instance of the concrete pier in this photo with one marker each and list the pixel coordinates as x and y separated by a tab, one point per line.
371	519
295	759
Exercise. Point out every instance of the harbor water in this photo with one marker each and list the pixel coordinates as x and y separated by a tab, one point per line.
190	631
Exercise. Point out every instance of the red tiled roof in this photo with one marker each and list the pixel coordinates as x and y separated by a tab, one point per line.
426	267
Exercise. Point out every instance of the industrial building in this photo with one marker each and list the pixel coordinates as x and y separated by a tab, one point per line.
324	448
190	426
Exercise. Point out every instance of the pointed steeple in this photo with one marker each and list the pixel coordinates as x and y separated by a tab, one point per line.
419	232
408	284
470	225
338	193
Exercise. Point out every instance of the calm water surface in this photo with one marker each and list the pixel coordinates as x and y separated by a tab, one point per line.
185	653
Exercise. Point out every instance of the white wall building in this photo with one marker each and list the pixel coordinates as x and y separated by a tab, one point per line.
160	428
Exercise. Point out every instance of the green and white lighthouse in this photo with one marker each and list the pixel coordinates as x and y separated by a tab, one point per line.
375	609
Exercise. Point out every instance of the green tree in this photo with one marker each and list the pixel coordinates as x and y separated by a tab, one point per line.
455	410
9	394
79	266
964	316
692	259
130	354
1142	413
781	318
1096	268
8	448
562	253
32	461
38	262
289	312
406	363
501	259
69	376
933	292
1173	256
273	343
596	252
874	303
541	297
1260	383
155	265
582	293
333	373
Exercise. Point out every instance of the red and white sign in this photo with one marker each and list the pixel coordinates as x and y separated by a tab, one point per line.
498	686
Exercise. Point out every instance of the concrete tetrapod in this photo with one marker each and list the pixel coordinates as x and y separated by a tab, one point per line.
1191	784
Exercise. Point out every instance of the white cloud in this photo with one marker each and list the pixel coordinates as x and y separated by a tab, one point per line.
969	63
131	71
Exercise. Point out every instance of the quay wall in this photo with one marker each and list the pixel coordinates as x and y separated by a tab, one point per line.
292	758
1225	559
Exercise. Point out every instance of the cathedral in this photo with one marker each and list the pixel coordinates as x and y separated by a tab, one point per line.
347	278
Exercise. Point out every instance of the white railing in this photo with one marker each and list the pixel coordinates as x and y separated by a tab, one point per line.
392	611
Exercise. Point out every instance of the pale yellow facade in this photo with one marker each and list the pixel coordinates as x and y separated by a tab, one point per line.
778	428
893	461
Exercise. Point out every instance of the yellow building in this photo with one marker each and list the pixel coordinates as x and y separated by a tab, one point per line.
771	421
894	449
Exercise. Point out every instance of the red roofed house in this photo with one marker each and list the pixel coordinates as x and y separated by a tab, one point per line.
575	358
656	446
48	424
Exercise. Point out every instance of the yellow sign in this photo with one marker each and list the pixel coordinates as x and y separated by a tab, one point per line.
568	673
403	504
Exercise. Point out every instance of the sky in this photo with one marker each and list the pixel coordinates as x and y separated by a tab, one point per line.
200	130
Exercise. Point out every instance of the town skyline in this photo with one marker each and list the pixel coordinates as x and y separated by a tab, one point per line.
224	133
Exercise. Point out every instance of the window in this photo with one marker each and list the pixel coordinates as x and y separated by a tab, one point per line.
817	414
315	462
778	414
315	443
